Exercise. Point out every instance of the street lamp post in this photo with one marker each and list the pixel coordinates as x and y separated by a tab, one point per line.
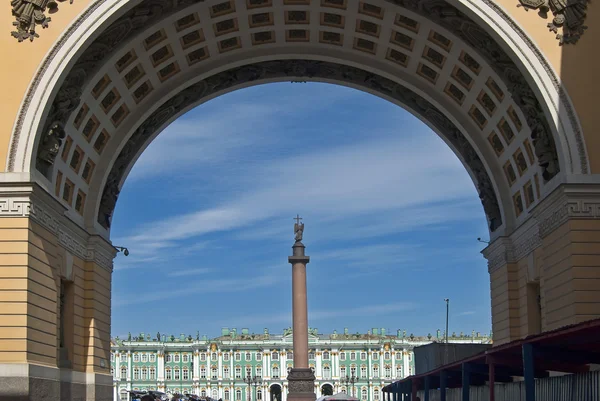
349	380
252	381
257	381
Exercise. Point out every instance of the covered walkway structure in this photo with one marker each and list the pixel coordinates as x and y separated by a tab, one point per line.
574	349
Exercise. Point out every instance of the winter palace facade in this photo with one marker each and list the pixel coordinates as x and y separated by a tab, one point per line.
239	366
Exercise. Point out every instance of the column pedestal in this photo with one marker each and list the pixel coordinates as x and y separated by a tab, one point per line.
301	384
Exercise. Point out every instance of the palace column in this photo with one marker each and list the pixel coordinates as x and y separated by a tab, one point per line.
301	378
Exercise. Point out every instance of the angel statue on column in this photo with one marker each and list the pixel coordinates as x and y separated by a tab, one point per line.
298	229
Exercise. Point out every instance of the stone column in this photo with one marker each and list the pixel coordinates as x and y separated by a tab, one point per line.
301	378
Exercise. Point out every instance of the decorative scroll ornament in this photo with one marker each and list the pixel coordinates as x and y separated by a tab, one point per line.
568	15
31	13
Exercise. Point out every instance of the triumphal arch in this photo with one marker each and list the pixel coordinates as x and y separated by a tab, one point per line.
509	85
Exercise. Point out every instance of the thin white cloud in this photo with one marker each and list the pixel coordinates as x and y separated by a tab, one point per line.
318	315
190	272
221	286
466	313
364	178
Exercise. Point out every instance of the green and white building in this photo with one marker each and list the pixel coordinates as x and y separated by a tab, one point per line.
220	367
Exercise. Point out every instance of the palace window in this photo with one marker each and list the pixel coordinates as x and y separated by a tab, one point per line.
213	356
176	374
363	394
176	358
410	356
275	372
342	356
248	356
136	374
259	356
375	355
238	372
259	394
152	357
203	372
202	356
144	374
399	371
326	372
123	372
275	356
168	358
215	394
311	355
238	395
386	355
226	372
344	390
226	395
258	371
375	370
112	371
213	373
144	357
363	356
388	372
168	374
398	355
325	355
152	373
376	394
136	357
226	356
185	374
363	372
248	372
185	358
343	371
203	393
353	370
238	356
290	356
353	356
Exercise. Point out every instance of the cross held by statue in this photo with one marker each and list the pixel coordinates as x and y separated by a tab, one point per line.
297	218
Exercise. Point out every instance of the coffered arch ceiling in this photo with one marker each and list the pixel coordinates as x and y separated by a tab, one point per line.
161	58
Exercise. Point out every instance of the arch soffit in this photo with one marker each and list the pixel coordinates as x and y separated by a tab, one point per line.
67	99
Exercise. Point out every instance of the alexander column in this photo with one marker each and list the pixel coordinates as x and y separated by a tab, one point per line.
301	378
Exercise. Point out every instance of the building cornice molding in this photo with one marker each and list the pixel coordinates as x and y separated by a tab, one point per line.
569	201
29	200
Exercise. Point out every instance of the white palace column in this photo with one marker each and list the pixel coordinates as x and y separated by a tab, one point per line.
405	369
267	362
381	362
161	365
283	363
393	351
129	356
370	364
118	365
196	366
231	368
220	367
318	366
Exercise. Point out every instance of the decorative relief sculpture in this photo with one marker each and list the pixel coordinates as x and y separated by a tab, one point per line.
49	147
292	69
30	14
567	14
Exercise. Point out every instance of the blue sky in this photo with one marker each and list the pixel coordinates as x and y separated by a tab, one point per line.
391	219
